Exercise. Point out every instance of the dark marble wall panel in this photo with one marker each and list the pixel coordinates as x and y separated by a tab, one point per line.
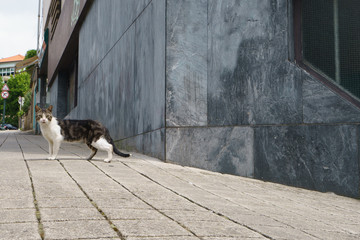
321	105
85	98
123	15
58	92
74	114
224	149
210	66
89	51
151	143
96	99
104	25
106	94
53	91
323	158
125	88
124	83
249	78
186	63
149	75
62	98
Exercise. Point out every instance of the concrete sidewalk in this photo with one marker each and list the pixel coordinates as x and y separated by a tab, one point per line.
143	198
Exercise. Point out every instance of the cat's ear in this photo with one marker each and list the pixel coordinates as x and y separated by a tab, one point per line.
37	108
50	108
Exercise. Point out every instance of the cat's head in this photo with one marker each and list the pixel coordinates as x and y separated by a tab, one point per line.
44	116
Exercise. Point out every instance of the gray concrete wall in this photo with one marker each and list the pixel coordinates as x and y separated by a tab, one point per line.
209	84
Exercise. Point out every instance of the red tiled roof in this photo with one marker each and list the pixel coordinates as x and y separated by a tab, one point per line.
12	59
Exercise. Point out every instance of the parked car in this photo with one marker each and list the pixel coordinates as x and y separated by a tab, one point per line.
8	126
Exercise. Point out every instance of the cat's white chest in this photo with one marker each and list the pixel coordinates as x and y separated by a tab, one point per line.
52	131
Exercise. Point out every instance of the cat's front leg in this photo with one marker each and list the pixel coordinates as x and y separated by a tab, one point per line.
55	149
51	152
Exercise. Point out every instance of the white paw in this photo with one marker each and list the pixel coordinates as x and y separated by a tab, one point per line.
51	158
107	160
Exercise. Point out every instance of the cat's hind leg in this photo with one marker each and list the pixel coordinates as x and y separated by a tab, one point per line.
104	145
93	151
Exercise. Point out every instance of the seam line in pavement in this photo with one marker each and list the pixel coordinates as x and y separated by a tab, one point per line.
37	209
7	135
220	197
198	204
112	225
135	195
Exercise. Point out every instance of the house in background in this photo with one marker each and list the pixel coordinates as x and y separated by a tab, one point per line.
7	65
266	89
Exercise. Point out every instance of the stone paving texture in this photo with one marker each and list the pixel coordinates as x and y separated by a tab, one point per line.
144	198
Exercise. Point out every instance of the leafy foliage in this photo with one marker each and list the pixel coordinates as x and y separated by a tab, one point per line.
27	101
30	54
18	85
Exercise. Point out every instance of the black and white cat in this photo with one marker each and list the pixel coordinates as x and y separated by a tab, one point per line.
93	133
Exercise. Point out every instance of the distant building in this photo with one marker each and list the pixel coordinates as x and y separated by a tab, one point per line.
267	89
7	65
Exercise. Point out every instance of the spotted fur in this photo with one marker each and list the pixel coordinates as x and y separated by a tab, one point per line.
93	133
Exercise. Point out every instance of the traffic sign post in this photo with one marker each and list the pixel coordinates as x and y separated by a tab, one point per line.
4	94
5	88
3	122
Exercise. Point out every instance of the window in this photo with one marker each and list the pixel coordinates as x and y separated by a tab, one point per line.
54	13
7	71
327	40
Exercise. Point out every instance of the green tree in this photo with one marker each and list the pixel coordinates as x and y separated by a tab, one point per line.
18	85
30	53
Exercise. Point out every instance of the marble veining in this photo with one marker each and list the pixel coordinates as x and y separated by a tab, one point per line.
230	151
186	63
249	78
319	157
321	105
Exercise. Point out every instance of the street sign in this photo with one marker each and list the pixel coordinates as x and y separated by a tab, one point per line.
4	94
21	100
5	88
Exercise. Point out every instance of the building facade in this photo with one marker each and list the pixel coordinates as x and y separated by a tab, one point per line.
7	65
214	84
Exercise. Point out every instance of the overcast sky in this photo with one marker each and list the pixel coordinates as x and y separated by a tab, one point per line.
18	26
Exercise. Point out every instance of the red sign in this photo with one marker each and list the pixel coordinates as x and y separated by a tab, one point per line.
5	88
4	94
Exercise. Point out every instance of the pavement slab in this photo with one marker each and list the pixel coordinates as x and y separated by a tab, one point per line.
84	229
144	198
19	231
151	228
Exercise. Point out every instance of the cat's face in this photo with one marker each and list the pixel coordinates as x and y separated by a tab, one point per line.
43	116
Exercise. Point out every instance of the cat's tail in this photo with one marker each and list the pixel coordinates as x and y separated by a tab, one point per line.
111	141
118	152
